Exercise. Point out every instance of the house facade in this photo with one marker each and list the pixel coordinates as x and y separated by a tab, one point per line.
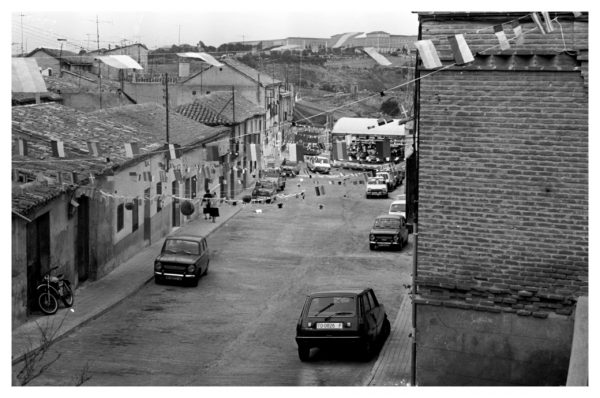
502	243
92	209
138	52
241	154
57	60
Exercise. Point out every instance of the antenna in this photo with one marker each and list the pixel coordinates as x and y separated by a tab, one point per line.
98	31
22	15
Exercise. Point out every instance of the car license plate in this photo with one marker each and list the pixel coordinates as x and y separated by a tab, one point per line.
329	325
173	278
384	243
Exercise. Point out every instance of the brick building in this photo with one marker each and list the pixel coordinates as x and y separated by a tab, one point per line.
502	242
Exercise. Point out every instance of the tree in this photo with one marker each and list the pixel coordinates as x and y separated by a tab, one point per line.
390	107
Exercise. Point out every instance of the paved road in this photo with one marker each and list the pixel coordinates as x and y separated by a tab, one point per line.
237	327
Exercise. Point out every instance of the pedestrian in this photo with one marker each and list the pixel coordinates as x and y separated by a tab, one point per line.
214	210
206	199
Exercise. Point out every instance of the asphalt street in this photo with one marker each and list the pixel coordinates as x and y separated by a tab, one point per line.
237	327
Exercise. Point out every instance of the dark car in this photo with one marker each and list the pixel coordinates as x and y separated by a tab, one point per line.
290	168
182	258
350	317
275	175
264	189
389	230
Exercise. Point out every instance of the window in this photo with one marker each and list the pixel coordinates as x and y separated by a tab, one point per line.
120	216
194	186
188	188
135	215
158	199
366	303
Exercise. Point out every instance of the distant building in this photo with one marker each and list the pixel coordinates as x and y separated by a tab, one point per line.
56	60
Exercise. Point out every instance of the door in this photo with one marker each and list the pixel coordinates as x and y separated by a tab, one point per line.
83	238
175	206
147	218
38	255
370	316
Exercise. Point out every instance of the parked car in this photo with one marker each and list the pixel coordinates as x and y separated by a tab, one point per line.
182	258
264	189
376	186
389	230
290	168
387	177
272	174
398	207
318	164
349	317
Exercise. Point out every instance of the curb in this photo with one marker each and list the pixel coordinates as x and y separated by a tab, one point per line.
64	333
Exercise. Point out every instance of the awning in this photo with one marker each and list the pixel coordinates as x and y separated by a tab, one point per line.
119	61
26	76
209	59
344	38
380	59
286	47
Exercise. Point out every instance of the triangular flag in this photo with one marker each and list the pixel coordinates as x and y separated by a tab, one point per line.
94	148
428	54
536	19
22	147
131	149
58	149
172	152
462	53
518	31
499	32
547	21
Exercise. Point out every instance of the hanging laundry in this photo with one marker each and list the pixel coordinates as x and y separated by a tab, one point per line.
461	50
428	54
547	21
131	149
499	32
58	149
518	31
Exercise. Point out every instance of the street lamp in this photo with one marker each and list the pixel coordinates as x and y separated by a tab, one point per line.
60	57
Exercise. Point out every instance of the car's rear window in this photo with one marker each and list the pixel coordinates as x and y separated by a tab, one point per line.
387	223
332	306
398	207
180	246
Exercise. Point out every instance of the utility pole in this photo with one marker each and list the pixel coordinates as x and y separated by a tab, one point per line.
179	37
60	57
22	15
97	33
167	102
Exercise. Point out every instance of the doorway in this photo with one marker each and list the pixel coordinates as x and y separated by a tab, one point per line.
147	218
175	207
38	255
83	238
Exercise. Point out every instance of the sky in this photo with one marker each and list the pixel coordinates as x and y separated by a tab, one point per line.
212	23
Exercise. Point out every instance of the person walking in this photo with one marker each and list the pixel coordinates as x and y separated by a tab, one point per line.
207	209
214	210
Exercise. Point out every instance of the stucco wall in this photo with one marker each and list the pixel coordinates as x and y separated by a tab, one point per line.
472	348
19	271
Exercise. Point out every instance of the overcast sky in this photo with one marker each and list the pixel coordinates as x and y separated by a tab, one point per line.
212	22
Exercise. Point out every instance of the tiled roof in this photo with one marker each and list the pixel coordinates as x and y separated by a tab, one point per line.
67	56
217	108
151	117
252	73
35	195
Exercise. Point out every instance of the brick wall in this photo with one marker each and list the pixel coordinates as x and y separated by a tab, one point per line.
503	185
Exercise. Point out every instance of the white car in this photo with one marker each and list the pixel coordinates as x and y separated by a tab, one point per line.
376	186
398	207
391	183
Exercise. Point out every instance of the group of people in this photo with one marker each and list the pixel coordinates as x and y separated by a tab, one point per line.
210	212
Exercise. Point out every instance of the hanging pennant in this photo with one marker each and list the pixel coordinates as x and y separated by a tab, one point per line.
547	21
518	31
292	152
22	147
428	54
253	152
131	149
94	148
172	152
536	19
178	175
499	32
58	149
462	53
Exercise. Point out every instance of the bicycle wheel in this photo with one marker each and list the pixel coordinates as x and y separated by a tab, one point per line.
48	303
67	298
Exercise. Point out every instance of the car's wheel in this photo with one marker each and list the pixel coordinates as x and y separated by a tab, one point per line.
367	350
372	246
206	270
304	352
67	298
194	281
385	329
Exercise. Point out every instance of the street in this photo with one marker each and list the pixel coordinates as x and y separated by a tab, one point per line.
237	327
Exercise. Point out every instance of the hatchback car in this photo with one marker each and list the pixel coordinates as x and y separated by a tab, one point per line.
264	189
389	230
398	207
290	168
182	258
349	317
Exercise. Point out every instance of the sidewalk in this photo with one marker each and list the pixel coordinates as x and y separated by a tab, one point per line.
392	368
96	297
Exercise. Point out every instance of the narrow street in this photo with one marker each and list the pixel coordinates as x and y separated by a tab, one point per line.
237	327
